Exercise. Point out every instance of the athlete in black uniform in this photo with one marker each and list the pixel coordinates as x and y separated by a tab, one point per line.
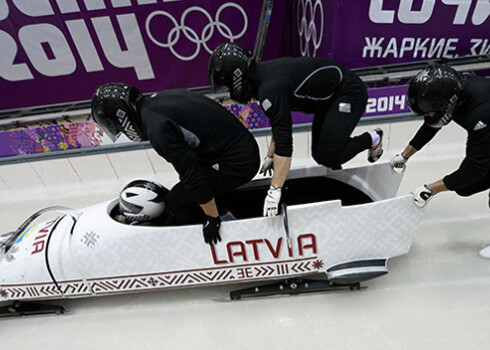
441	94
336	97
210	149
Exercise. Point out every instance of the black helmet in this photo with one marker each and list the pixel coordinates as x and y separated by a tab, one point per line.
114	109
232	65
437	88
143	200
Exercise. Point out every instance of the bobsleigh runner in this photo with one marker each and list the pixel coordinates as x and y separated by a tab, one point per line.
340	225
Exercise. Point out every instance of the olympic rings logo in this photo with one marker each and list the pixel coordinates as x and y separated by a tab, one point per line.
307	29
190	34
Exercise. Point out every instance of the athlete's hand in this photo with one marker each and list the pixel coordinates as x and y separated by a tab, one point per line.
271	204
398	163
210	229
421	196
267	166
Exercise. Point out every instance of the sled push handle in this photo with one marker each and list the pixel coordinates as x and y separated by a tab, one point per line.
285	222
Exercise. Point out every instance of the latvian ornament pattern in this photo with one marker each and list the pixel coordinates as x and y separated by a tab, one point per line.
165	280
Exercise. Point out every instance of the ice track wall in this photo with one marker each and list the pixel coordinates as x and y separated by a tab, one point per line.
105	174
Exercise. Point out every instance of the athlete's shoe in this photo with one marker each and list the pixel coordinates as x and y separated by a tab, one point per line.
485	252
375	152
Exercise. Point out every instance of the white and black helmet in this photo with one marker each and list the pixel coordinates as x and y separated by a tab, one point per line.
439	89
142	200
232	65
114	110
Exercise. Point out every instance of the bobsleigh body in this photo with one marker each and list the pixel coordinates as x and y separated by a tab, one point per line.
87	253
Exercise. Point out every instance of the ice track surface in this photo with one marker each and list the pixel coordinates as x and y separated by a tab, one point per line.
436	297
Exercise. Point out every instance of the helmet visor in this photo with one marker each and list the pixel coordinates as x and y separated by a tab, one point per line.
218	82
107	124
414	107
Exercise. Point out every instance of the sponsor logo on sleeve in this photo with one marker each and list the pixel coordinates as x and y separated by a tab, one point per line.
266	104
480	125
344	107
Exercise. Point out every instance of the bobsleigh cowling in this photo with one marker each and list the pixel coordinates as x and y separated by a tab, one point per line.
344	224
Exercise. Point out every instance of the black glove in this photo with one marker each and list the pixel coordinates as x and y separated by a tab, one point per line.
210	229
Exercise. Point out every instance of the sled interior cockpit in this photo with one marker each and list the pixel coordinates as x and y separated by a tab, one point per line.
248	201
308	185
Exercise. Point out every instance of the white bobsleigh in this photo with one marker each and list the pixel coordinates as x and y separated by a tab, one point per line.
344	224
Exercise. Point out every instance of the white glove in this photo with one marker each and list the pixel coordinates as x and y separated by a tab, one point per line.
271	204
267	166
421	196
398	162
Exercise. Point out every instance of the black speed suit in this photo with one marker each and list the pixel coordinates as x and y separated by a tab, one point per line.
335	95
209	148
472	114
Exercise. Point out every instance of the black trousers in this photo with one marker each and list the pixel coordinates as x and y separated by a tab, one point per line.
236	167
476	187
334	122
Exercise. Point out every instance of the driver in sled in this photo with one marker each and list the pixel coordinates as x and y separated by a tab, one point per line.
146	203
212	152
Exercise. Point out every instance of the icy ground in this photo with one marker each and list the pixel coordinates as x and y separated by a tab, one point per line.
436	297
